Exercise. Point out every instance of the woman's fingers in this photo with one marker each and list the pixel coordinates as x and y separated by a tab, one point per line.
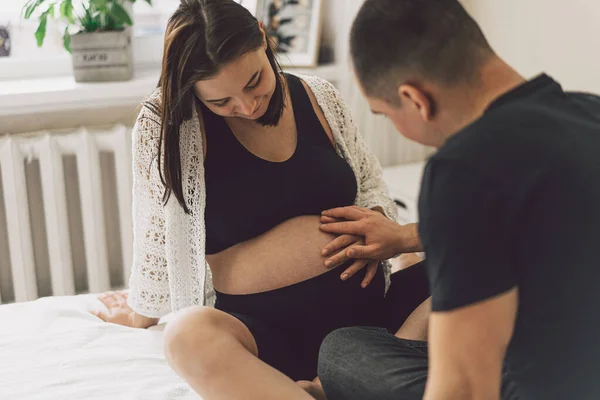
370	251
100	314
371	271
339	243
353	269
337	259
111	299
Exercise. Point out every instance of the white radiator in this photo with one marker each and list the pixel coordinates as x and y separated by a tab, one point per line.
36	267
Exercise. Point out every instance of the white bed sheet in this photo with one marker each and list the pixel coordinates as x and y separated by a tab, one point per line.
53	349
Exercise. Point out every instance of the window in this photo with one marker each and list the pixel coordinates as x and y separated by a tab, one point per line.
27	61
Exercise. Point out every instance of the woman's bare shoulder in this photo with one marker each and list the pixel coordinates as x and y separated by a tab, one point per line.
317	108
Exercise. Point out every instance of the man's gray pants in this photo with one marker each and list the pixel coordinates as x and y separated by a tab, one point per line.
370	363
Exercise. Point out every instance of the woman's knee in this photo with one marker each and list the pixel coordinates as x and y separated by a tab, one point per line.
201	333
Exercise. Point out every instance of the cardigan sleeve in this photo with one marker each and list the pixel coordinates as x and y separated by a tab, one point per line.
372	190
149	293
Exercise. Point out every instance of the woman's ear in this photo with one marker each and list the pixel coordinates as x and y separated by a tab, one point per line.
264	35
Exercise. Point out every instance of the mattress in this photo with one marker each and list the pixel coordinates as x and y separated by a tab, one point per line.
53	349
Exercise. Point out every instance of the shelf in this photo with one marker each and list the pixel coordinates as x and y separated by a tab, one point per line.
31	96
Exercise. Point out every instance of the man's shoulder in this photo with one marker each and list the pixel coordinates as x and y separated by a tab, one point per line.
510	136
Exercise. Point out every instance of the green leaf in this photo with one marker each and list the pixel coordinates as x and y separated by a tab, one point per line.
100	5
30	7
120	14
66	10
149	2
40	33
67	40
51	9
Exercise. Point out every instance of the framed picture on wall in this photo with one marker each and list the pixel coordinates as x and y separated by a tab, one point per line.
295	26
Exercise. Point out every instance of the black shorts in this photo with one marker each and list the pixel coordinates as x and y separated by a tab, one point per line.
290	323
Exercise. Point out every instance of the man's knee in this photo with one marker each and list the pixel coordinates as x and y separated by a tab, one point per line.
366	363
344	359
338	347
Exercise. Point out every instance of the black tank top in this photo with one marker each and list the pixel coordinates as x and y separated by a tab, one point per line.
247	195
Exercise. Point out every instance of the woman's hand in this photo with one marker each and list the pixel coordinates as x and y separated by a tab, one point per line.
339	244
357	265
120	313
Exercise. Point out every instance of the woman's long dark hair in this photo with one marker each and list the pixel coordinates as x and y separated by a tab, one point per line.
202	37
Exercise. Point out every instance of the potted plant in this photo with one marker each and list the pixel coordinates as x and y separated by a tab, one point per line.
96	35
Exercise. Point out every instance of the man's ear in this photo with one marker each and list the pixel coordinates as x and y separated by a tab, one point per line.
412	95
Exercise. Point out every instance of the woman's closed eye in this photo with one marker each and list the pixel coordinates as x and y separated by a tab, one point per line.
256	84
222	104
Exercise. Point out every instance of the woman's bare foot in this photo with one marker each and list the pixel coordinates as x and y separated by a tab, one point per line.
313	388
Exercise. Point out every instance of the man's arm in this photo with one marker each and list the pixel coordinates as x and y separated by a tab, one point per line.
467	347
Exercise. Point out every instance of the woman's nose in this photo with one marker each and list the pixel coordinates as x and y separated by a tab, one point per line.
247	106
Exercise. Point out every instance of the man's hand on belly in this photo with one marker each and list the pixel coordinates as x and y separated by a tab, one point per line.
384	238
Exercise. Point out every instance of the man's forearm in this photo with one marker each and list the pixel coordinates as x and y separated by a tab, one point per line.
410	240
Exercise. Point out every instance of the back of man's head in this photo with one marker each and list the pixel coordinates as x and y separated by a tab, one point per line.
398	41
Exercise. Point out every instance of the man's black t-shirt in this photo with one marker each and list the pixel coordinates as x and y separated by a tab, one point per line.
513	200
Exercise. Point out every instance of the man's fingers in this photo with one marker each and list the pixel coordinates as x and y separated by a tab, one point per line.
346	227
371	271
360	251
354	268
329	220
350	213
339	243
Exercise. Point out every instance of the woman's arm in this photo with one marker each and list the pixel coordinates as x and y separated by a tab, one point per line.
149	293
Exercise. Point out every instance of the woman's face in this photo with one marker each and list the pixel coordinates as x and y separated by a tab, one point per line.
242	89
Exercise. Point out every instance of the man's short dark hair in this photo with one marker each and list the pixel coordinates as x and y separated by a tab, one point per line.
398	41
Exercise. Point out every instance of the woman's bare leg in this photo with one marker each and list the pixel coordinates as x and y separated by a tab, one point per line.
217	355
417	324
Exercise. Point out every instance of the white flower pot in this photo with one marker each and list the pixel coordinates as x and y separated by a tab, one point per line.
102	56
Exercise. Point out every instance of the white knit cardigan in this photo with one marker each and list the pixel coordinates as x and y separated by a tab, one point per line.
169	270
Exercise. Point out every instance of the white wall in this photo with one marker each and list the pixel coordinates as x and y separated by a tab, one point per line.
559	37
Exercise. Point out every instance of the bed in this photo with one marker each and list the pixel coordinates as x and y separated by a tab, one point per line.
54	349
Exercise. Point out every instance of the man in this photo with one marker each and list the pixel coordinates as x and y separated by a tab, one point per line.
509	219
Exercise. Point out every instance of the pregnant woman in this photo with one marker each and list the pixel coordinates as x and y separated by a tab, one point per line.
234	161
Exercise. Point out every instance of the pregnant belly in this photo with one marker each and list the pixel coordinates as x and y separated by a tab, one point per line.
288	253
